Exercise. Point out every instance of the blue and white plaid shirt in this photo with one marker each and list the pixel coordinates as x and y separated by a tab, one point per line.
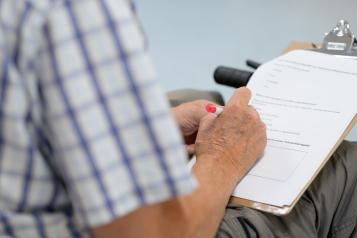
85	131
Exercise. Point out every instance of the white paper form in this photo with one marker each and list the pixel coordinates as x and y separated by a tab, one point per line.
307	100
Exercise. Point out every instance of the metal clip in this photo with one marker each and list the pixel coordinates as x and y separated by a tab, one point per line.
340	41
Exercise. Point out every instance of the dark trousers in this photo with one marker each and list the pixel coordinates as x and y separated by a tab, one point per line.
327	209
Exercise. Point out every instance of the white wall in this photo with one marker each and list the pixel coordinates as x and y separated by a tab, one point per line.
189	38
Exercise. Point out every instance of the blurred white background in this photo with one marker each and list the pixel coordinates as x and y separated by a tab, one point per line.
189	38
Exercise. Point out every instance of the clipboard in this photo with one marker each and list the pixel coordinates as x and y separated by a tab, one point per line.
339	42
284	210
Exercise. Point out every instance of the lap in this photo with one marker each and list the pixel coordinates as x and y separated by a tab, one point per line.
327	209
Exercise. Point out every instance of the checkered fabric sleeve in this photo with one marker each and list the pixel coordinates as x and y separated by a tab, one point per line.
115	142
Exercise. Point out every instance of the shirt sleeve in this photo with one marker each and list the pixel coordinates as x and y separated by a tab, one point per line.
115	142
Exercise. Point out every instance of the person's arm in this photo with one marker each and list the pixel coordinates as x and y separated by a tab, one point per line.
114	142
196	215
227	147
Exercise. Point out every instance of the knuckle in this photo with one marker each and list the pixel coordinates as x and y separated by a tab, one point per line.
237	107
253	115
262	125
254	111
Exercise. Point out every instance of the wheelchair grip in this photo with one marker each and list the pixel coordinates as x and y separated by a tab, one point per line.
232	77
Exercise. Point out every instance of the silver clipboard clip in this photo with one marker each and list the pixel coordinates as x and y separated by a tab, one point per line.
340	41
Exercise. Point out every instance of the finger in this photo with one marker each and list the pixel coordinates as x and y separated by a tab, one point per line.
191	112
241	96
200	110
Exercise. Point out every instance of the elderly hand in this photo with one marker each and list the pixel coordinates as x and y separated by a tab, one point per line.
236	136
188	116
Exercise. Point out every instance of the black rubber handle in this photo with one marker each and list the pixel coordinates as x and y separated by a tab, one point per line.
232	77
253	64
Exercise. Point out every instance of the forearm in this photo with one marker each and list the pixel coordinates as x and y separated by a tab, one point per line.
206	206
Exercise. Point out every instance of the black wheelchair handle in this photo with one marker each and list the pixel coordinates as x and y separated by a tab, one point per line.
232	77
